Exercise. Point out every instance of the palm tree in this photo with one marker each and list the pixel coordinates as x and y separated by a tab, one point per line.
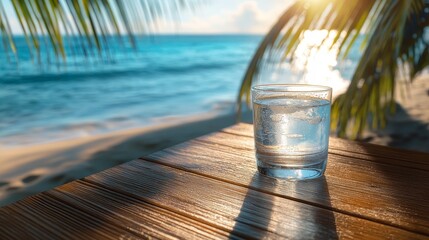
396	43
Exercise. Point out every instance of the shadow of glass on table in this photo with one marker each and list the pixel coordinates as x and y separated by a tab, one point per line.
280	216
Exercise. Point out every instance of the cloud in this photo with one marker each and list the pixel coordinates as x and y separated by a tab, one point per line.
248	18
244	17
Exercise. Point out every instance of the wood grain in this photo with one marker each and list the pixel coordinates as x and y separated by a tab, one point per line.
376	191
42	217
147	200
361	150
245	212
208	188
81	210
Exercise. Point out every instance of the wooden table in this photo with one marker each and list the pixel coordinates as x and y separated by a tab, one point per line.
209	188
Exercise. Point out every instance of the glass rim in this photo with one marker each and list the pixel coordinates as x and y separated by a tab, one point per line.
295	88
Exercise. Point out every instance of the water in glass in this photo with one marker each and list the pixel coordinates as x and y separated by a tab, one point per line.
291	136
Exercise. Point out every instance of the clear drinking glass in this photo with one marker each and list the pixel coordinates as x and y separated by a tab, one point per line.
291	124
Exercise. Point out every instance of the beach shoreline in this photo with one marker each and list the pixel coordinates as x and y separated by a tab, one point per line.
27	170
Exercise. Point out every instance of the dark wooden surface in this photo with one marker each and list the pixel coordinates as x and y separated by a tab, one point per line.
208	188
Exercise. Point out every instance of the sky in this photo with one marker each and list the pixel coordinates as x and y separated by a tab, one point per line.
216	16
230	16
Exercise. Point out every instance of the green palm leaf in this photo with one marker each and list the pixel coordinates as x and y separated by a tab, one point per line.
395	45
48	21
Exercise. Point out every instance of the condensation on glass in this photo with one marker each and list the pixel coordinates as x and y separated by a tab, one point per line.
291	124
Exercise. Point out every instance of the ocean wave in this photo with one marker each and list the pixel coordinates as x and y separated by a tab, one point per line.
49	134
102	74
223	105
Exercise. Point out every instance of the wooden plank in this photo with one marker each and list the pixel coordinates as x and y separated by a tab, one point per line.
379	192
43	217
80	210
364	151
359	149
139	217
246	213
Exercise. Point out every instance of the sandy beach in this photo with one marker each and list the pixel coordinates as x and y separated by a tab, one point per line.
409	127
27	170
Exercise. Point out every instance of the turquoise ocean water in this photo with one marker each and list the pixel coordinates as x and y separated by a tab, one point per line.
164	76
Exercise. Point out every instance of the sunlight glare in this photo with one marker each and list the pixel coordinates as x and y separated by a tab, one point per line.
314	62
317	60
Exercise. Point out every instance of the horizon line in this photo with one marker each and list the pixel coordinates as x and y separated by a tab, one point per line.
151	34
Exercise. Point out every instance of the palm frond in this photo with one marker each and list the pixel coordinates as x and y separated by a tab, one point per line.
395	43
94	21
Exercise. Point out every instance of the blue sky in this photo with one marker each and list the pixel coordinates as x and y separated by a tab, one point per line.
218	16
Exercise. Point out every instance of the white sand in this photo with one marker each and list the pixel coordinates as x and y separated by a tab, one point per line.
26	170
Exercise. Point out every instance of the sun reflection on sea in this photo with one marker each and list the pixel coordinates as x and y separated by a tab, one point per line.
315	62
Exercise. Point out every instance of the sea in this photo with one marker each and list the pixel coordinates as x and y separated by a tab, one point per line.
45	98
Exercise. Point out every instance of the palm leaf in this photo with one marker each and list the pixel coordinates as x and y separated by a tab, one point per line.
395	43
94	21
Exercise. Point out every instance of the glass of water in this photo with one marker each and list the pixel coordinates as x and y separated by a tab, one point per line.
291	124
